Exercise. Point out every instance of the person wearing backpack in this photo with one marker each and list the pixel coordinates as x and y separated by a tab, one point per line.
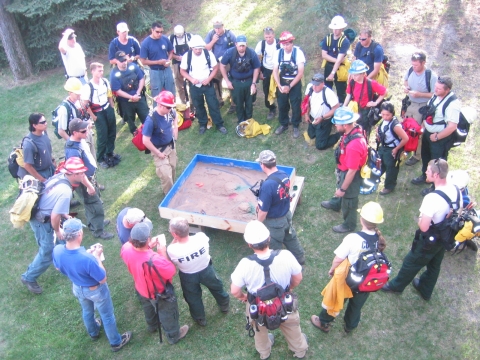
350	156
37	150
428	247
126	43
285	272
370	52
180	41
347	254
334	51
391	138
152	273
321	106
367	93
199	67
288	67
45	223
219	40
444	109
419	83
242	78
266	50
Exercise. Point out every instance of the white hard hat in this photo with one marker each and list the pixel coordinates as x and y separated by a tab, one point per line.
337	23
179	30
256	232
196	42
459	178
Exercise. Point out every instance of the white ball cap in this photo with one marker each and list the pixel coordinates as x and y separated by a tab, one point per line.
256	232
179	30
196	42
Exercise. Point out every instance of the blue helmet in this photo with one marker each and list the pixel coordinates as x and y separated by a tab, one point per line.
343	115
358	67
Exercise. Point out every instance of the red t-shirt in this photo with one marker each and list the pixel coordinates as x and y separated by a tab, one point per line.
134	259
354	156
360	91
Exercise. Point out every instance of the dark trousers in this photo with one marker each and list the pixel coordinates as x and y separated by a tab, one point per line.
293	99
243	99
340	86
433	150
424	254
192	291
200	96
363	120
349	202
106	126
167	313
389	167
94	211
353	312
267	77
132	109
321	133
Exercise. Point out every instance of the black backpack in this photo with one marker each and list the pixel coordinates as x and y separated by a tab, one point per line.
70	116
446	230
428	77
189	59
463	126
12	157
246	63
310	92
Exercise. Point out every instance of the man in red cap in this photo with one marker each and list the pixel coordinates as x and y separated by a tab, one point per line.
289	62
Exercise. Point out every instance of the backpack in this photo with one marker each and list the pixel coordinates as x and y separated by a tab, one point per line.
96	107
446	230
180	49
381	135
264	42
286	68
137	139
245	63
413	131
428	77
385	61
272	304
306	100
463	126
55	119
371	271
189	60
15	158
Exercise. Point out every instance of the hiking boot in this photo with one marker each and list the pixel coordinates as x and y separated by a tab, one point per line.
347	330
74	203
201	322
271	114
223	130
115	156
412	161
329	206
232	109
296	133
385	191
280	129
427	191
105	223
387	288
341	229
104	235
202	130
422	179
225	308
325	327
125	339
416	285
32	286
99	323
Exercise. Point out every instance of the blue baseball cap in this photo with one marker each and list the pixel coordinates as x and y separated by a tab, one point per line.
72	226
241	40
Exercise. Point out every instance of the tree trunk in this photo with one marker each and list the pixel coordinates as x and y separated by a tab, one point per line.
13	44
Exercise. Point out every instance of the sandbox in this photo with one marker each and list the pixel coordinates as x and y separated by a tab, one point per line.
215	192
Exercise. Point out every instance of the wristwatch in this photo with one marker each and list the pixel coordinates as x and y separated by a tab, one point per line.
342	190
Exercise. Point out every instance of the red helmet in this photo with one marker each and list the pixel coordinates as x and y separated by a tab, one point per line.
165	98
286	36
74	165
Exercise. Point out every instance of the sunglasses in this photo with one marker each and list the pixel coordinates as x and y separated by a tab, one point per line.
158	31
362	39
267	29
42	122
418	57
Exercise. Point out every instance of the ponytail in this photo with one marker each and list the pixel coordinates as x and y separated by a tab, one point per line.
382	243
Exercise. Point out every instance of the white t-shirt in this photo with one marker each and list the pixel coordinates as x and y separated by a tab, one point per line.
352	246
74	60
199	65
270	51
192	256
317	106
452	113
100	92
63	115
249	273
434	206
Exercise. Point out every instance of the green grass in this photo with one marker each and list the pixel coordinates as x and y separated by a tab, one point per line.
49	326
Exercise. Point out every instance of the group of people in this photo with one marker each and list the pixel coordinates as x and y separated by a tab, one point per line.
203	63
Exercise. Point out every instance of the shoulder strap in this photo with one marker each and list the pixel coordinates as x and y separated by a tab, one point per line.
352	86
294	55
340	41
394	123
310	92
207	56
372	47
448	200
280	55
151	266
30	140
325	97
428	78
266	264
233	57
68	106
367	239
189	60
74	145
171	38
263	47
447	102
91	91
50	184
369	90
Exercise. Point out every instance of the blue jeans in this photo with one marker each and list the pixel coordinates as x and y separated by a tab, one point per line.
44	237
98	299
162	80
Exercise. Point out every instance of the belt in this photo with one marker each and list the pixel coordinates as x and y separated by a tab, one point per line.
104	107
243	80
157	69
163	147
78	77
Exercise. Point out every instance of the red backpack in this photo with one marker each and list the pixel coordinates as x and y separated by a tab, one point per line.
371	271
413	131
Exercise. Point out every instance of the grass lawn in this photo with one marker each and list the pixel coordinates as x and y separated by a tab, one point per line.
49	326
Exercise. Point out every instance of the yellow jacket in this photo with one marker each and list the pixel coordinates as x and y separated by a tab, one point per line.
337	290
21	210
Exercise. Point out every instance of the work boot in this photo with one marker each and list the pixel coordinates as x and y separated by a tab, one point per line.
427	191
387	288
104	235
280	129
32	286
329	206
416	285
422	179
202	130
271	114
99	323
201	322
412	161
325	327
341	229
125	339
296	133
182	333
223	130
74	203
232	109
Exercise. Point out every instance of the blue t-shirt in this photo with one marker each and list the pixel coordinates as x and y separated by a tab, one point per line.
333	49
241	62
74	150
162	133
156	50
273	198
368	56
132	48
79	266
222	44
126	80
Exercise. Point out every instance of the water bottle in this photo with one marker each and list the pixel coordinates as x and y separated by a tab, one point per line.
288	303
253	311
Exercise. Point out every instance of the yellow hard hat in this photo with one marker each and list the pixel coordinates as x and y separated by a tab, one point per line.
372	212
73	85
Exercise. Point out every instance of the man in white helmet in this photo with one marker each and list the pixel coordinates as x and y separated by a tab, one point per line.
179	40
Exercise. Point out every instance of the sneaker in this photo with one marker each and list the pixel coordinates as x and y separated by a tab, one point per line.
201	322
223	130
329	206
325	327
202	130
32	286
74	203
412	161
296	133
341	229
232	109
271	114
104	235
416	285
103	165
280	129
99	323
125	339
422	179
